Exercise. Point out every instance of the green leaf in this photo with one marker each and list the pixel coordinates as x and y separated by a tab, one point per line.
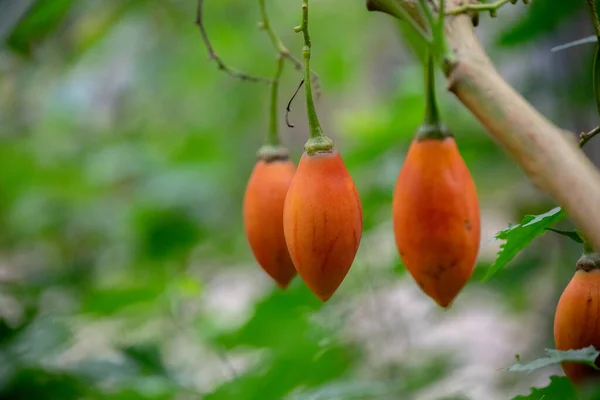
560	388
586	356
518	237
543	17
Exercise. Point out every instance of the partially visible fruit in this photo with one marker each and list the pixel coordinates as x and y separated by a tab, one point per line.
263	216
577	318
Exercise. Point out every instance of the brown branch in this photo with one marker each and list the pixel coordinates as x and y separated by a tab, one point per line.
547	154
212	55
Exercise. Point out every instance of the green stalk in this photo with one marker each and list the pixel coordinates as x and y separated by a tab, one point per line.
272	150
432	127
273	138
317	142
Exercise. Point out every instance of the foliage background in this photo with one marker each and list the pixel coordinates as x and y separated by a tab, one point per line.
124	153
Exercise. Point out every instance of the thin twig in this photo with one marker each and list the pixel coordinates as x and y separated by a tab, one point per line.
586	137
282	49
478	7
594	16
212	55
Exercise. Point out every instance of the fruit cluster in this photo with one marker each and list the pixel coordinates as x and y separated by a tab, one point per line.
309	221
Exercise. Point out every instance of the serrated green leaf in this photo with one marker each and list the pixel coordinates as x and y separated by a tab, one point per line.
586	356
560	388
517	237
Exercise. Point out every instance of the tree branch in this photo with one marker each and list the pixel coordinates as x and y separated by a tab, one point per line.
547	154
212	55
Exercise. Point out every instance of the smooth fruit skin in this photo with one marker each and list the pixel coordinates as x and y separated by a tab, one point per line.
436	218
322	222
263	218
577	321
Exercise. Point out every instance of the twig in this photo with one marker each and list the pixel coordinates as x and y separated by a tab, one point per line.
281	49
586	137
594	16
212	55
491	7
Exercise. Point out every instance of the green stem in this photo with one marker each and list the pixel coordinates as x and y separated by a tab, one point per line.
273	138
317	141
432	116
432	128
313	119
280	47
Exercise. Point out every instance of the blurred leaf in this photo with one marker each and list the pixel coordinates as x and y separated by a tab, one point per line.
518	237
586	356
106	301
543	16
147	357
166	233
41	21
560	388
345	391
46	337
282	325
38	384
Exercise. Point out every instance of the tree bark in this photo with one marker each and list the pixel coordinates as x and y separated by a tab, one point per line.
547	154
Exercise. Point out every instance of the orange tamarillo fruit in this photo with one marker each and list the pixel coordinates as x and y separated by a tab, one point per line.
436	215
577	318
263	214
322	221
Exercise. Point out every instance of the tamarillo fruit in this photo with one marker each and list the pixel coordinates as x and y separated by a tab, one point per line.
322	221
577	318
263	215
436	215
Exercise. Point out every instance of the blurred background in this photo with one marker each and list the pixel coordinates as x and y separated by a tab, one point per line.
124	154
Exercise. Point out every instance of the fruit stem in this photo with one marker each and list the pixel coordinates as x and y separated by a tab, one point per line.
317	142
432	116
432	127
273	138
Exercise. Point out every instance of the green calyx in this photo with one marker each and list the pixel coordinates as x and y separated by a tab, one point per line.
590	259
318	144
269	153
434	131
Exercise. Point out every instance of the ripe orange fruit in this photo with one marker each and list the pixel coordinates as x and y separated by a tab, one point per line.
322	221
436	217
263	217
577	318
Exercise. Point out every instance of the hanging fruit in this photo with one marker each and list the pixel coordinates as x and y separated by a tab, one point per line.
435	209
322	215
264	201
577	321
